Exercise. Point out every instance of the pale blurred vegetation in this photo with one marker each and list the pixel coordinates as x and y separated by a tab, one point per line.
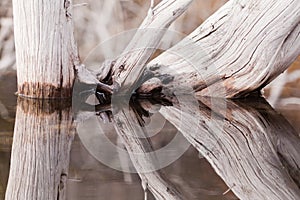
98	20
7	49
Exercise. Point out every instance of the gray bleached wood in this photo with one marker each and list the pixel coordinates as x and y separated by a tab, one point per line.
46	51
239	49
129	66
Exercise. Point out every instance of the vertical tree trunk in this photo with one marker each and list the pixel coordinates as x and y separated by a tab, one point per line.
45	48
40	153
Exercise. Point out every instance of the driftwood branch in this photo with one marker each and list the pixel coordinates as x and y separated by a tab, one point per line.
129	66
239	49
127	70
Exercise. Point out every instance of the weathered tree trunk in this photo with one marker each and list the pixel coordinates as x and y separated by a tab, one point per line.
45	49
239	49
40	154
245	145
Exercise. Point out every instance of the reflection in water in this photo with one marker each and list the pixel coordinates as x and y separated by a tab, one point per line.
244	143
40	154
251	147
246	146
4	169
139	148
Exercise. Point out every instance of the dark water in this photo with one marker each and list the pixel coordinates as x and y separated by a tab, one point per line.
192	176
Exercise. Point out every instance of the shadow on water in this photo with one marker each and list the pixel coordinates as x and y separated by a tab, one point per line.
57	154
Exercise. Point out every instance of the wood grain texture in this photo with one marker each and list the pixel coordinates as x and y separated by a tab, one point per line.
40	153
129	66
239	49
45	48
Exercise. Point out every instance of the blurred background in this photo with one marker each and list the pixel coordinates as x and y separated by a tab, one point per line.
96	21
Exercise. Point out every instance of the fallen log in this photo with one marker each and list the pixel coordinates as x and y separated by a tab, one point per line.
240	48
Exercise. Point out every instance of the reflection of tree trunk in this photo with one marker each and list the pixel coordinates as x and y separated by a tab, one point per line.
245	145
138	149
40	152
4	170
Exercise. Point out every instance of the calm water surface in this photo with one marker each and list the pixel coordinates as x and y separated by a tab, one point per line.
88	179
